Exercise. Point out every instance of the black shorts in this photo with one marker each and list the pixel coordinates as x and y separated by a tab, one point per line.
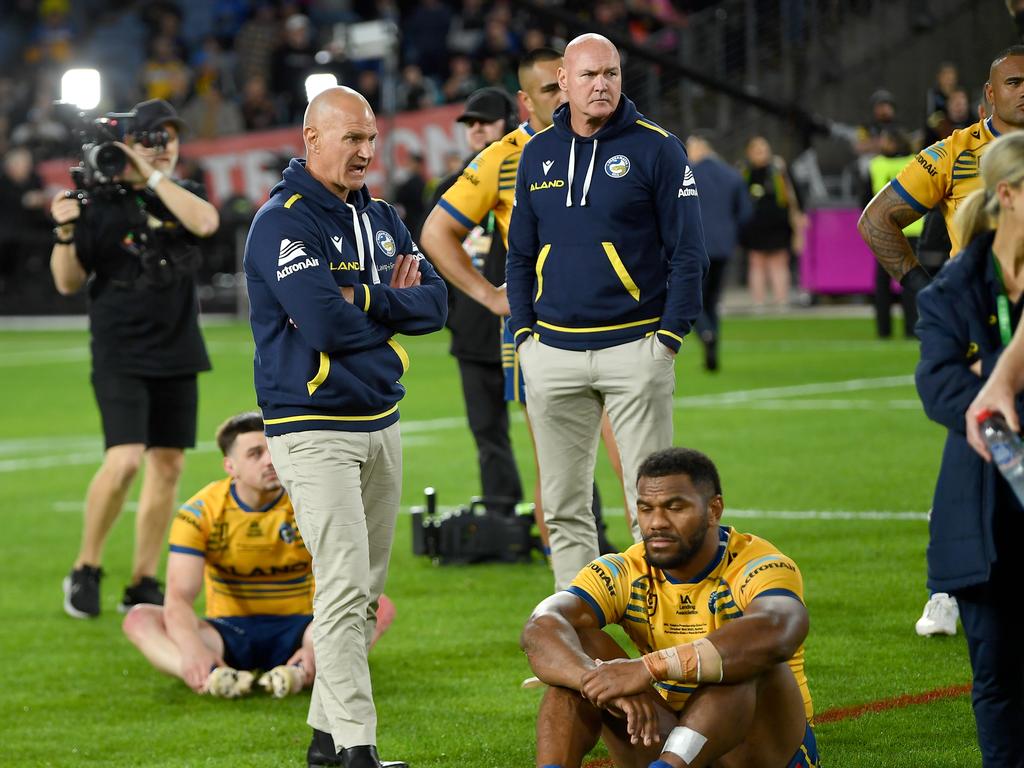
157	412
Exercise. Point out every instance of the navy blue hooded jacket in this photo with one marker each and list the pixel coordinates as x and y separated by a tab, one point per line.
605	243
972	502
321	362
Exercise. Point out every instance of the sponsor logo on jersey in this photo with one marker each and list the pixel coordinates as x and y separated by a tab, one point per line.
689	187
386	243
926	165
344	265
686	607
765	567
604	577
553	184
273	570
336	239
290	251
546	165
298	266
617	166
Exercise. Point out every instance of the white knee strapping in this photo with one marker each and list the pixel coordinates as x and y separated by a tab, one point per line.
685	742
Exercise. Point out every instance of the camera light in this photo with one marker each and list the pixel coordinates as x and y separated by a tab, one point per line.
81	87
319	82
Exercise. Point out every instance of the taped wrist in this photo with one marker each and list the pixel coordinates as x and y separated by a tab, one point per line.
696	662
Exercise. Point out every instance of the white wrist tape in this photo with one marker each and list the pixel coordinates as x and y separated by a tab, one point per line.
685	742
154	178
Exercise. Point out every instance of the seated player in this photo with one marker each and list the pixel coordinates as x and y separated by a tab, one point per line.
720	620
238	535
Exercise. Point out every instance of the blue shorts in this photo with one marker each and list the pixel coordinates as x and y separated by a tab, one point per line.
807	753
515	389
260	642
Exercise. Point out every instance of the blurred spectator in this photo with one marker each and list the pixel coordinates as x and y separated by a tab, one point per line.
213	67
467	30
290	63
495	74
775	226
41	132
256	42
164	75
946	78
499	41
461	82
955	115
409	196
416	91
534	39
51	39
24	225
426	36
368	84
258	111
883	115
210	115
163	19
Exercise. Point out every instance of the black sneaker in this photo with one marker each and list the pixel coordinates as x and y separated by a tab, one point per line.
82	592
146	591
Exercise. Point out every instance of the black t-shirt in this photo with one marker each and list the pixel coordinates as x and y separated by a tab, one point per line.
143	308
476	331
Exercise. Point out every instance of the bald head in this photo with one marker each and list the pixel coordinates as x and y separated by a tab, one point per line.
591	75
339	131
1005	89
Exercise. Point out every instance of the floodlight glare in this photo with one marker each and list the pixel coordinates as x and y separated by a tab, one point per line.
319	82
81	87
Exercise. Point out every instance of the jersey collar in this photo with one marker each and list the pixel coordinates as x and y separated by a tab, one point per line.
723	545
246	508
991	127
527	128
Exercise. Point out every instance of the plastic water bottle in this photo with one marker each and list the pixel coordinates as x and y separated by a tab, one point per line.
1006	448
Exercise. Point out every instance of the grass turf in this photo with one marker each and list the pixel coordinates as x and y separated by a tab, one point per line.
786	437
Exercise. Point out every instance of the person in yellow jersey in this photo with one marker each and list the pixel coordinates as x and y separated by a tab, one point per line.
942	176
719	619
238	538
483	196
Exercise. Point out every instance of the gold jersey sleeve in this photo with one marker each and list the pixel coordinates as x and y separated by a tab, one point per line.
657	611
255	560
488	184
945	173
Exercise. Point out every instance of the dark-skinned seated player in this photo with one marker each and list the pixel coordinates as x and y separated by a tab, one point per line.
719	619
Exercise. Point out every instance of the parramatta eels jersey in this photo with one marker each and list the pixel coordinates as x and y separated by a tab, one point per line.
658	612
488	183
945	173
256	562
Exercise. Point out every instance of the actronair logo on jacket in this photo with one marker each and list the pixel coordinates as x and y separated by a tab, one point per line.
290	251
689	188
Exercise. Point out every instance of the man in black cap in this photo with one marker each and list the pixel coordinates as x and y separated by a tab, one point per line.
488	115
134	241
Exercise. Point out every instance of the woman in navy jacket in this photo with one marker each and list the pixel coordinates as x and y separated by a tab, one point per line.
967	317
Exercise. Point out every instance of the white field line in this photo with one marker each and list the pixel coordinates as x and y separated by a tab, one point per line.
78	450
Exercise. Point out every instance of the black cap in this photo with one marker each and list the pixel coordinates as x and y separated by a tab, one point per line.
489	104
882	96
155	113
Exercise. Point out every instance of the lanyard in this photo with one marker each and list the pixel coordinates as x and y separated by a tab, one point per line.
1002	305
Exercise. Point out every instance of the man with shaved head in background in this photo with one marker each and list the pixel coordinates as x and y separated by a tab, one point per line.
605	264
333	275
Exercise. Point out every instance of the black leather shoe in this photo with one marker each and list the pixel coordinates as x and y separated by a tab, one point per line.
365	756
321	752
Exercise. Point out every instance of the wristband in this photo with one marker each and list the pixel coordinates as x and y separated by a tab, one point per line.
154	178
57	239
916	279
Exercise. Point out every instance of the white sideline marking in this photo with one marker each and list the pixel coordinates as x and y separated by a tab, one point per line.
814	388
822	514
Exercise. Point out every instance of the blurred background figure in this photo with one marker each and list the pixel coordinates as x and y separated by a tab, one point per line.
775	226
724	207
24	225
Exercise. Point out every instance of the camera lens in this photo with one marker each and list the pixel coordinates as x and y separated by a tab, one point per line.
106	160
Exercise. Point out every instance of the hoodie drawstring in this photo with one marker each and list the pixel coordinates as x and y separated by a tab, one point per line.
369	239
359	234
572	170
357	230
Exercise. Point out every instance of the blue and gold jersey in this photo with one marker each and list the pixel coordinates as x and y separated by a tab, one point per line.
944	174
256	561
658	612
488	183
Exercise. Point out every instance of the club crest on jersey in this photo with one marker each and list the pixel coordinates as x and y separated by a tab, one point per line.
386	243
617	167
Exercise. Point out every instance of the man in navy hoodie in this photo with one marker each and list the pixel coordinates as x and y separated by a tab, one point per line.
605	264
333	275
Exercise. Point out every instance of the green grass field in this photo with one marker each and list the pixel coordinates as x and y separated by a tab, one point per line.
809	416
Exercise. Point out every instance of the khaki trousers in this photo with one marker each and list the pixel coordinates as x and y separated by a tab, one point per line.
566	392
345	488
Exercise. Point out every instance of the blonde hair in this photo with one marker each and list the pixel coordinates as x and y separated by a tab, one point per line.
1003	162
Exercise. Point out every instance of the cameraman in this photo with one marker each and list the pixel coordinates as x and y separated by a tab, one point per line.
133	243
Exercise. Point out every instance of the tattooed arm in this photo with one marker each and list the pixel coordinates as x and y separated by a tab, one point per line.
881	225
